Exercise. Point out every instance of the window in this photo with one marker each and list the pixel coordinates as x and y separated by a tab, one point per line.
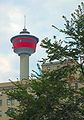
0	93
0	102
0	113
10	102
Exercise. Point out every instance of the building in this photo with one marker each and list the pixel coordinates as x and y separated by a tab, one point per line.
72	78
5	101
56	65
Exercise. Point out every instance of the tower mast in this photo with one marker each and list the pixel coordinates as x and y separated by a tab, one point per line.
24	21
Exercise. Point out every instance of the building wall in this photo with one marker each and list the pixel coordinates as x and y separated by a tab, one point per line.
55	65
72	78
51	66
6	102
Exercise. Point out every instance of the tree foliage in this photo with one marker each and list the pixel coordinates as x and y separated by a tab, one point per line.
52	96
74	44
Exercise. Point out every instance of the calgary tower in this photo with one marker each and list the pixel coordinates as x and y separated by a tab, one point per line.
24	45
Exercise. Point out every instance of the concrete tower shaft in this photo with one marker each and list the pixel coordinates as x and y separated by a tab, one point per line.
24	66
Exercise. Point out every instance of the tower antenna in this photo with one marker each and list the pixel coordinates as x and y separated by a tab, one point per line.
24	21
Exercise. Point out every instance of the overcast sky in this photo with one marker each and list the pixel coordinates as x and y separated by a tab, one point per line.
40	15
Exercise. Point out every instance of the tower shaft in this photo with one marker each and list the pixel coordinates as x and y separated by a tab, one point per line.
24	66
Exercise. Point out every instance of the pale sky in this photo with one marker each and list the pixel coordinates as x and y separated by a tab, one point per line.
40	15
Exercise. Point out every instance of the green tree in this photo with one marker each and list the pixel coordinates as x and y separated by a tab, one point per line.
51	96
74	29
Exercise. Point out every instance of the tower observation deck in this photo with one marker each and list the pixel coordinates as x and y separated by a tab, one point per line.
24	45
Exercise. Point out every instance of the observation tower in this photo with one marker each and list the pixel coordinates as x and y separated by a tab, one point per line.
24	45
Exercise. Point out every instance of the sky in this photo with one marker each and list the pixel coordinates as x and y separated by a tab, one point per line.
40	15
